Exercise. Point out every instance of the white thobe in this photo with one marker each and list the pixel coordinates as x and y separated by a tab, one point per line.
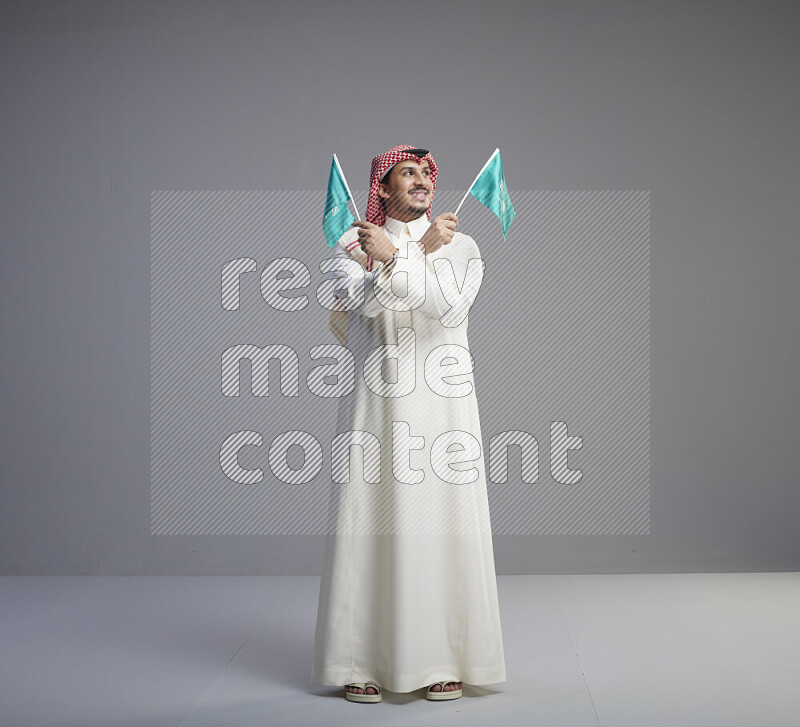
408	594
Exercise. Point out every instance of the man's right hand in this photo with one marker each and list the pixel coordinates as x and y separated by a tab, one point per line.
439	233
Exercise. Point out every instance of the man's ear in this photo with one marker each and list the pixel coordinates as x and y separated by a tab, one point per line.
383	191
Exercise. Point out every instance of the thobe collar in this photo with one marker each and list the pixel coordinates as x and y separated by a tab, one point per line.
414	229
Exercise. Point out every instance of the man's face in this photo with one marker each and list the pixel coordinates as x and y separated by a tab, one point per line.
407	190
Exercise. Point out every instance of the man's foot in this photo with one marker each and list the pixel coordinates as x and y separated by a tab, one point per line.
368	691
358	690
439	691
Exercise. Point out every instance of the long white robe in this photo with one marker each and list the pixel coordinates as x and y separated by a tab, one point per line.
408	594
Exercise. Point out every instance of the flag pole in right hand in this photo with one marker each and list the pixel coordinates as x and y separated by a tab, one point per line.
489	188
496	151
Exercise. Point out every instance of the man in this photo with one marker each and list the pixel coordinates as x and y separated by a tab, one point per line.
408	596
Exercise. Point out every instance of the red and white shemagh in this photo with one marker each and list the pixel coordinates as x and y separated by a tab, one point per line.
382	164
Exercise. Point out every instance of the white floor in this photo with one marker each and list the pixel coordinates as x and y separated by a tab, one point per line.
610	650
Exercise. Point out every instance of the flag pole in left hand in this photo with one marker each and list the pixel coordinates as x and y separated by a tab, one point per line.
337	216
339	166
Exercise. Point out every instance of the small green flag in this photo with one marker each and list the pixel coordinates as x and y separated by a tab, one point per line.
489	188
337	217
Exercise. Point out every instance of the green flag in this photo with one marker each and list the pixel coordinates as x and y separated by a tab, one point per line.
489	188
337	217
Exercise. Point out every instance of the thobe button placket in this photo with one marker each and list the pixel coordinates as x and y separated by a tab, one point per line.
403	319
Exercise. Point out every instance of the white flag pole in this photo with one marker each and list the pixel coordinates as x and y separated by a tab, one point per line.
339	167
496	151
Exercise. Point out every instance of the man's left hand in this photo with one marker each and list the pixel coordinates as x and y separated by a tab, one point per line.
373	241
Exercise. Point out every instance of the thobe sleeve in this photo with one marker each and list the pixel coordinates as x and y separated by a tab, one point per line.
450	284
355	284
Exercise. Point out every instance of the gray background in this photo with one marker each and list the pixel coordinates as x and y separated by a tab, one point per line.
102	103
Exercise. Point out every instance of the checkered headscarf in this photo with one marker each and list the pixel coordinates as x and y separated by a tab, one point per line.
382	164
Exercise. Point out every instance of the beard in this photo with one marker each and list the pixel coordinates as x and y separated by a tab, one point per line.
406	208
418	208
